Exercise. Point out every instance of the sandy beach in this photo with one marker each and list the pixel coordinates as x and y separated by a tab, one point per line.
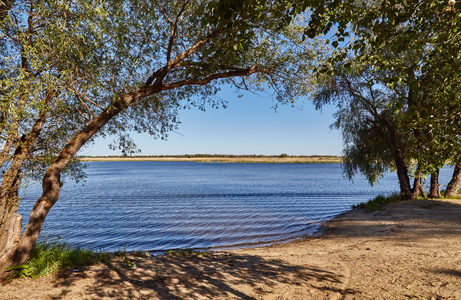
407	250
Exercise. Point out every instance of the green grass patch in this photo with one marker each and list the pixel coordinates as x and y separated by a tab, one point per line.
378	202
49	256
126	260
442	192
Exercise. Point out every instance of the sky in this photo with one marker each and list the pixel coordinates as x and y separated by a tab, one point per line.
249	125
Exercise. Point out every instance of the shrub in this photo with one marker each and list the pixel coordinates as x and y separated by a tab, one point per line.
378	202
50	256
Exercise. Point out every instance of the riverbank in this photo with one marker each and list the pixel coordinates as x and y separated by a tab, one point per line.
222	158
407	250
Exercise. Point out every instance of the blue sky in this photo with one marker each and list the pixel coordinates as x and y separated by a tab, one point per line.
249	125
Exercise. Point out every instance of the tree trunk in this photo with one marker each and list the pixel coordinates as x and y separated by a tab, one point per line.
435	186
51	187
10	222
417	185
11	180
455	182
404	180
12	229
8	213
18	254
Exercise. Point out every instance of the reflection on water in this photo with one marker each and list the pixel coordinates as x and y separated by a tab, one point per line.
154	206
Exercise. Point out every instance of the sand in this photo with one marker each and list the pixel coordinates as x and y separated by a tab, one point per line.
407	250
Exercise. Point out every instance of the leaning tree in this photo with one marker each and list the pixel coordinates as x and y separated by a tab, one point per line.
71	71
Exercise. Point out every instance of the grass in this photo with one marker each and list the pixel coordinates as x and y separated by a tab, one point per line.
126	260
49	256
442	192
378	202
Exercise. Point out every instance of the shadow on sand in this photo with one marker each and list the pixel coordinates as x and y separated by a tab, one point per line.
412	218
212	277
238	276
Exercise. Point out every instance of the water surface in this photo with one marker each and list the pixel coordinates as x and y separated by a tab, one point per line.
155	206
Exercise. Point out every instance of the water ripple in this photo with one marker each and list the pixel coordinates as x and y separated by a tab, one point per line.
155	206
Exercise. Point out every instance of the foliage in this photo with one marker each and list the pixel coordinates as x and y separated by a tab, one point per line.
406	51
64	64
50	256
378	202
365	120
20	271
74	71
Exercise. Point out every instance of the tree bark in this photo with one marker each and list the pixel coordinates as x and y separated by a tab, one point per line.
8	210
12	229
404	180
12	178
51	187
435	186
455	182
417	185
402	170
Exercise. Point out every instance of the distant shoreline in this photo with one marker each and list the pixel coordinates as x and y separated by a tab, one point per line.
221	158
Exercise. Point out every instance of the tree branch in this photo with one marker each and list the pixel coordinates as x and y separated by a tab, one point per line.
175	28
162	9
208	79
161	73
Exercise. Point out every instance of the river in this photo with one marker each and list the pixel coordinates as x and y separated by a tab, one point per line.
156	206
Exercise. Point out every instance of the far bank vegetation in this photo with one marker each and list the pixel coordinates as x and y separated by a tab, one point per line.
229	158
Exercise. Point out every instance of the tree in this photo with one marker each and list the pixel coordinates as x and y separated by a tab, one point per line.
455	182
410	47
74	71
374	143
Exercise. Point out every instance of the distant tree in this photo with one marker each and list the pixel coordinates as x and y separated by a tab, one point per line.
71	71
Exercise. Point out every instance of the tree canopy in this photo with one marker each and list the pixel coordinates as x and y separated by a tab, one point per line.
409	52
74	70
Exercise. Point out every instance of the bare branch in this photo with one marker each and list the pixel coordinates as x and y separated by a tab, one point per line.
161	73
90	113
79	94
175	28
81	115
162	9
208	79
133	97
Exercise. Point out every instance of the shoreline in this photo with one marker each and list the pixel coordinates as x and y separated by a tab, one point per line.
408	249
222	158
